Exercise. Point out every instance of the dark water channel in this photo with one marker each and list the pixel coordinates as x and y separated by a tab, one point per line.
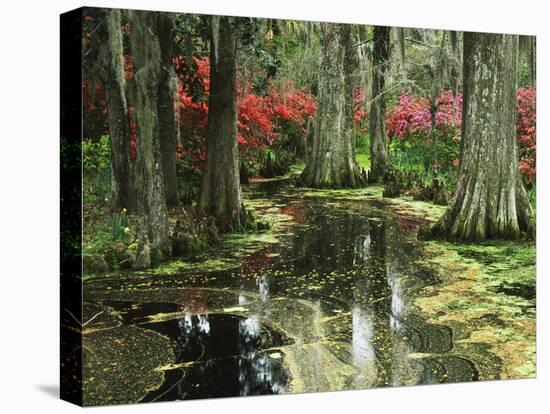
327	308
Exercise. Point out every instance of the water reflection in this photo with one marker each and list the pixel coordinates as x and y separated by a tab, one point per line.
256	370
339	285
348	261
362	350
263	287
192	336
223	355
379	342
397	308
361	253
325	243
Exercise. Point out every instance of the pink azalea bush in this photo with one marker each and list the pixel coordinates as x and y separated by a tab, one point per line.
526	126
420	136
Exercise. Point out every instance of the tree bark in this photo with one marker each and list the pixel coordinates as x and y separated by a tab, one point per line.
379	158
152	231
400	34
332	160
456	67
533	61
123	193
167	127
220	188
527	49
309	139
490	200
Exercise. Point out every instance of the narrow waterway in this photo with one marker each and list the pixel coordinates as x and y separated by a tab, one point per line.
326	305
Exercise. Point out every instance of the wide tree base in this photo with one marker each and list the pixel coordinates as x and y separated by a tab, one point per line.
382	173
476	223
352	178
392	183
241	221
149	255
438	232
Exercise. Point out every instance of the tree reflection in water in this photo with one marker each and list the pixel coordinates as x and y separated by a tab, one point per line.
377	330
191	333
340	290
362	349
263	287
254	368
258	374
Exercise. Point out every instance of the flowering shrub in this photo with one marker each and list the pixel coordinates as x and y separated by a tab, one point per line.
192	114
291	105
128	66
133	132
95	110
94	101
430	143
448	115
409	118
359	115
412	116
255	128
261	119
526	122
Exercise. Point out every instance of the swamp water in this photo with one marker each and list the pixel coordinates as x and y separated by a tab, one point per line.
325	301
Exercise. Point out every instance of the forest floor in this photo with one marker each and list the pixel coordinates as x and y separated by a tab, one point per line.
338	294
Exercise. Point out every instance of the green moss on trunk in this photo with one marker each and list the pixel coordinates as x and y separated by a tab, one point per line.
331	161
220	188
380	160
152	229
490	200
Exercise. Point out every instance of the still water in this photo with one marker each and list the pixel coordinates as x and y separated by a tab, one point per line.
326	307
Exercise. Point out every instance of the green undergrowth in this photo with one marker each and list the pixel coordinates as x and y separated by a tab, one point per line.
229	253
363	160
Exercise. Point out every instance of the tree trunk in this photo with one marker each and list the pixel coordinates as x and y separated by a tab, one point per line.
379	158
527	48
455	70
400	34
220	189
167	127
152	231
332	161
533	61
309	139
490	200
122	186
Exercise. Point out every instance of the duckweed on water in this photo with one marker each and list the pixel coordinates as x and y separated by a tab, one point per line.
473	298
361	302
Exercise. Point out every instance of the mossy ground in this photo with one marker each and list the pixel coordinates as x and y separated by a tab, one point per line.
486	295
229	253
